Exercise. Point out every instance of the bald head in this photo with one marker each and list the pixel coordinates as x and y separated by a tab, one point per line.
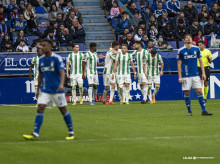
75	22
75	9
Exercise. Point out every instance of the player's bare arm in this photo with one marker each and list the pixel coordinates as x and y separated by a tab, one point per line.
179	67
101	63
84	70
62	78
161	71
67	69
144	68
209	58
133	68
30	71
114	69
39	84
202	68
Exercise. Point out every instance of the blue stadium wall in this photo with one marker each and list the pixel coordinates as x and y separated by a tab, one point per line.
21	90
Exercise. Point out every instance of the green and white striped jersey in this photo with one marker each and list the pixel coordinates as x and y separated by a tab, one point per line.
35	62
123	63
76	63
140	59
109	62
91	59
153	64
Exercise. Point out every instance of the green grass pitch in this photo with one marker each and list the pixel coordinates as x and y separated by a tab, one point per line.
118	134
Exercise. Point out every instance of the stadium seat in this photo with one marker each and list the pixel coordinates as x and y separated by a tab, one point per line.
82	46
42	30
172	43
31	39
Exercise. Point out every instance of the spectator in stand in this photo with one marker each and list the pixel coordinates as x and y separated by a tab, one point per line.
30	16
51	35
68	7
65	40
115	12
18	25
69	19
211	27
11	5
190	12
173	8
151	46
77	32
53	27
22	47
22	5
5	39
123	36
203	16
55	47
142	24
8	47
139	35
2	13
194	28
132	7
135	21
3	28
153	33
60	29
215	13
180	32
36	45
40	9
142	8
19	38
167	33
54	11
129	41
61	4
147	14
199	37
152	20
159	10
123	23
162	21
14	14
180	16
78	15
154	5
144	41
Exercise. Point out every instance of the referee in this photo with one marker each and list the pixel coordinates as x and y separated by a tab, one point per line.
207	59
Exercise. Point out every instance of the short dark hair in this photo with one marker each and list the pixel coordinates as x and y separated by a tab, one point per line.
201	41
138	42
142	3
115	43
187	35
48	41
125	45
93	44
153	51
75	45
124	12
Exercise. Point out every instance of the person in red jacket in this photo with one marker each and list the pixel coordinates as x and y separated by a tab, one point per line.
204	16
200	37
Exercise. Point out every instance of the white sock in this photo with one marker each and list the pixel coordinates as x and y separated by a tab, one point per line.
90	93
124	93
149	93
145	89
81	92
94	93
156	90
74	94
127	93
104	95
112	93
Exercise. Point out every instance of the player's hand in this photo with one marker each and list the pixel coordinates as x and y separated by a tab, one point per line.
203	77
180	80
60	89
113	76
161	73
67	75
135	76
37	94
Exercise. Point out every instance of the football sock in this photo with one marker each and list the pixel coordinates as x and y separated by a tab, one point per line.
149	93
94	93
188	103
206	90
68	121
80	91
121	93
74	93
145	89
112	95
38	122
90	93
104	95
156	90
202	102
127	89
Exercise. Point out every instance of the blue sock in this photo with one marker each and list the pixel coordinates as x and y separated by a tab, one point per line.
68	121
38	122
202	102
188	103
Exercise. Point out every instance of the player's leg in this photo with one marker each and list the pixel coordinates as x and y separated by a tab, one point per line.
106	84
80	84
186	86
206	83
95	88
144	92
149	89
74	94
90	90
127	92
156	80
112	92
120	90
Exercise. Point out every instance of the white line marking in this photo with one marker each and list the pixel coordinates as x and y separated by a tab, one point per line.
16	69
112	139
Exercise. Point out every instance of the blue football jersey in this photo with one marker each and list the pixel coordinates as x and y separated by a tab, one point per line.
50	68
189	60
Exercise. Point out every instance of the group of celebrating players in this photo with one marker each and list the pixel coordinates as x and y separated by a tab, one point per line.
49	79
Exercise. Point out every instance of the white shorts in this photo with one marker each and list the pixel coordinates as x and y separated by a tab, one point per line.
153	79
124	79
93	79
57	99
141	78
191	82
74	79
108	79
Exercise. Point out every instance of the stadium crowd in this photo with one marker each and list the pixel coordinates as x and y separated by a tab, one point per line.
164	22
24	23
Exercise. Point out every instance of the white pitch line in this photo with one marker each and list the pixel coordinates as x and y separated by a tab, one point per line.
111	139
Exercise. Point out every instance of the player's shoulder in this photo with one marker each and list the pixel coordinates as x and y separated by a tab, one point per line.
195	47
208	51
42	57
57	57
181	49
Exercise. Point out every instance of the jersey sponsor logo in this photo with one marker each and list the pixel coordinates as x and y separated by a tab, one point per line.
190	56
47	69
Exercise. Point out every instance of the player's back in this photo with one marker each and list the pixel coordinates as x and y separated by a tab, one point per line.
50	67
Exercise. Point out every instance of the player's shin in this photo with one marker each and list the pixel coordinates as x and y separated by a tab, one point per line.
38	122
74	93
127	93
68	121
188	103
112	93
104	95
94	94
90	93
202	102
157	87
145	90
149	93
206	90
80	90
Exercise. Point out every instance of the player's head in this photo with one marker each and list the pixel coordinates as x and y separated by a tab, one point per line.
138	44
115	45
76	48
201	44
39	51
46	45
93	46
153	52
124	48
188	39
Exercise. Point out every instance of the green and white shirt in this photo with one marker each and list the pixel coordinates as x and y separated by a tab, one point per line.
91	59
35	62
109	62
76	63
123	63
140	59
153	64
